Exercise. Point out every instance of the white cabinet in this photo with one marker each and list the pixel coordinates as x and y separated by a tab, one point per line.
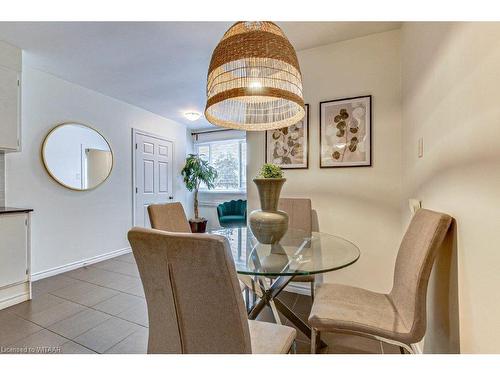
10	97
14	258
9	109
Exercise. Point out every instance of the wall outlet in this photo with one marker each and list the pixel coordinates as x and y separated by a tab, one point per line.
415	205
420	147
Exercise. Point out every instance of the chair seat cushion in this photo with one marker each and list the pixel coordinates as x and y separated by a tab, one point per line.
232	219
345	308
270	338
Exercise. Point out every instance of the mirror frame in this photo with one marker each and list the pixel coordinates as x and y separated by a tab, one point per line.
44	162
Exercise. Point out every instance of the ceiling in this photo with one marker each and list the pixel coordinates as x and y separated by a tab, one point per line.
158	66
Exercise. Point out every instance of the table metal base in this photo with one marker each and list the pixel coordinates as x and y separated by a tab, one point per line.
269	296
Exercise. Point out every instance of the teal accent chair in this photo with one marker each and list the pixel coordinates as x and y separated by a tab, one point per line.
232	213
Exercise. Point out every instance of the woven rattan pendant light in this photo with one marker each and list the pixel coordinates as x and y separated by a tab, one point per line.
254	80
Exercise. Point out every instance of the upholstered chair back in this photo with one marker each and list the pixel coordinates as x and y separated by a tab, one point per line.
299	213
192	292
234	207
169	217
414	261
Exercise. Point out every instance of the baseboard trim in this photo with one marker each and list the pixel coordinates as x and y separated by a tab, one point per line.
299	288
14	300
81	263
210	204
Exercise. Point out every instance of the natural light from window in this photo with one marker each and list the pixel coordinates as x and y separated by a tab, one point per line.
228	157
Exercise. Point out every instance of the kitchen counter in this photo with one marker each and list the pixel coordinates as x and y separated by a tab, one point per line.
12	210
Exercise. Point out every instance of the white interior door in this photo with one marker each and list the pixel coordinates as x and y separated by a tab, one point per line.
153	175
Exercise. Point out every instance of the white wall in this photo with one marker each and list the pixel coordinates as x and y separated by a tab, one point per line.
360	204
70	226
450	98
2	178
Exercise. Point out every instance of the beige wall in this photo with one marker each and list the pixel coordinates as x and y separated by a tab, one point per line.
449	77
451	81
361	204
2	178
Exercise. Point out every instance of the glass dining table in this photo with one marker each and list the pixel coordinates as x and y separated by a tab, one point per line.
267	269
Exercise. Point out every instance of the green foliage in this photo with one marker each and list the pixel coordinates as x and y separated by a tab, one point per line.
269	170
196	171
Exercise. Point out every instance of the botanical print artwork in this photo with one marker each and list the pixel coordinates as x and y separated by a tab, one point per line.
345	132
288	147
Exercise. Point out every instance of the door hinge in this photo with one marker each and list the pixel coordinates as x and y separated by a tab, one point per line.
136	190
26	271
26	222
18	83
136	146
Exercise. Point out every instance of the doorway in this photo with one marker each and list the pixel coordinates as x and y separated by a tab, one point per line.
152	174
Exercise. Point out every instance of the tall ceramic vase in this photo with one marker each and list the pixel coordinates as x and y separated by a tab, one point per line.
268	224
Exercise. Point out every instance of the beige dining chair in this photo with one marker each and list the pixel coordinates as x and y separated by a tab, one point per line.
398	318
299	217
194	300
169	216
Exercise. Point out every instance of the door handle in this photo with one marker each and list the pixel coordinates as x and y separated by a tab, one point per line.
171	197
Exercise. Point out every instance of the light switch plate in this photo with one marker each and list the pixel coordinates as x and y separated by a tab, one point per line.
414	204
420	147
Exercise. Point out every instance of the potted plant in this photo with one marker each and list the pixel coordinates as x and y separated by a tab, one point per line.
197	171
269	224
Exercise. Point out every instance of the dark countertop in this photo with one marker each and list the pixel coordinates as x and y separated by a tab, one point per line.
12	210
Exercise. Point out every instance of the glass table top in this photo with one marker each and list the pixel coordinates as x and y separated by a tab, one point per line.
298	253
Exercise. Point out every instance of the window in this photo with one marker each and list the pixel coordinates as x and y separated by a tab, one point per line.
229	159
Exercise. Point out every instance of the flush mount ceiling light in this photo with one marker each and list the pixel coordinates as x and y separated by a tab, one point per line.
254	80
192	116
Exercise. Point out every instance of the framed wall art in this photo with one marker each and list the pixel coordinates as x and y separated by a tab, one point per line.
345	132
289	147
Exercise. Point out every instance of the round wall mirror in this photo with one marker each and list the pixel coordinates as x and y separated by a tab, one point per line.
77	156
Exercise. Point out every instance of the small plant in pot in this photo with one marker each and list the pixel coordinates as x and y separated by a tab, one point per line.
195	172
269	170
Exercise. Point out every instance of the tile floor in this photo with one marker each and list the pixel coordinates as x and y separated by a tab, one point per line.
101	309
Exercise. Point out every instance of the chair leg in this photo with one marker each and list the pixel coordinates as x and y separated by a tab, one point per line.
315	340
403	347
247	299
312	290
293	348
